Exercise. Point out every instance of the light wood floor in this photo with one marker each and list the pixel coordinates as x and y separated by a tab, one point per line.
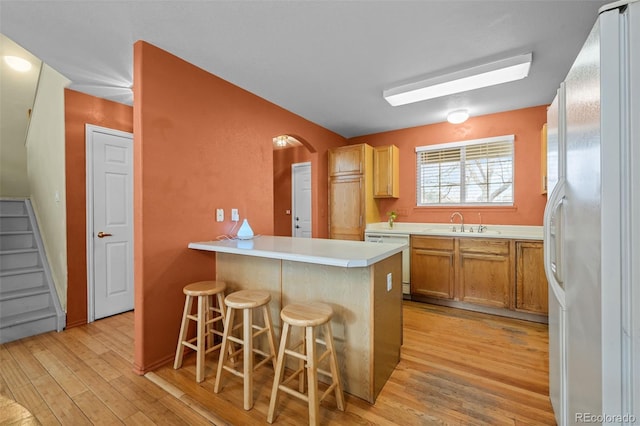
457	368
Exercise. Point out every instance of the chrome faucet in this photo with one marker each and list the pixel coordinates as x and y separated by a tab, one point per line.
454	214
481	227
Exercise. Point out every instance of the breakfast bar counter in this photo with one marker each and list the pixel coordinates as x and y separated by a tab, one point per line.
361	281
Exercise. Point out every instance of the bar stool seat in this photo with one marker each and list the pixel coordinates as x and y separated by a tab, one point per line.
206	317
246	301
309	316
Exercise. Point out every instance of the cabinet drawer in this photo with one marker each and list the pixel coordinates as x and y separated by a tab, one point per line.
484	245
436	243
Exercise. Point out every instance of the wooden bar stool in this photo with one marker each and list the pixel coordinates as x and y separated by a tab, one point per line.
205	319
308	316
246	300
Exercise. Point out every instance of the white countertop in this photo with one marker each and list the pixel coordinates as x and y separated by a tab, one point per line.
515	232
347	254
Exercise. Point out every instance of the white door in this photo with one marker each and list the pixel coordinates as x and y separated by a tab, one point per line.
301	202
110	221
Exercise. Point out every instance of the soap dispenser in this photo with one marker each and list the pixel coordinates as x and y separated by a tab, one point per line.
245	232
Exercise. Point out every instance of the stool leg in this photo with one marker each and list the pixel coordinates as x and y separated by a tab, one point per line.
279	373
208	317
200	342
223	313
177	363
312	374
228	325
333	363
270	337
247	336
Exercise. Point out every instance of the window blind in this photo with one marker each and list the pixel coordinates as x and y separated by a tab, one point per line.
470	172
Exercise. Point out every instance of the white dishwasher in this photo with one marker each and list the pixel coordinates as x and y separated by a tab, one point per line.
383	237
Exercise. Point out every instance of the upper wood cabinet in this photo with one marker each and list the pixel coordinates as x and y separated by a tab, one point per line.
351	203
386	172
348	160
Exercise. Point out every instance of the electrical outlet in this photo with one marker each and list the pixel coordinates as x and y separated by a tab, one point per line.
234	215
219	215
389	281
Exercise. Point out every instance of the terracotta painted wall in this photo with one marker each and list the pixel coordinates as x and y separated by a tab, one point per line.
282	161
525	124
201	143
81	109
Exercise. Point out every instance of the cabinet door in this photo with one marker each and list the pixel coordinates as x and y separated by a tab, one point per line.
346	206
485	272
346	160
531	282
432	267
386	174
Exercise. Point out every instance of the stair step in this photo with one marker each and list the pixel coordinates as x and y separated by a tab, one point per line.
17	259
12	240
23	292
20	301
14	223
12	207
25	324
21	279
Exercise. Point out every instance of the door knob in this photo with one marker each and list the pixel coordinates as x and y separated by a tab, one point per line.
103	234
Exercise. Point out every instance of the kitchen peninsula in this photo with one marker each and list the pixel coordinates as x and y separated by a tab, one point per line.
361	281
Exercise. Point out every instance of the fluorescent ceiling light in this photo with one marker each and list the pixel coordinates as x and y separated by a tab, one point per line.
17	63
497	72
458	116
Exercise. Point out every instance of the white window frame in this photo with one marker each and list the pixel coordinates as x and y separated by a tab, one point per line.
462	144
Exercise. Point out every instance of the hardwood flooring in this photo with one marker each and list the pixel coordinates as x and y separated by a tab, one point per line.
457	368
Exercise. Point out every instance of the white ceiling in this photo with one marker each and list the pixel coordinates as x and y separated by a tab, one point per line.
327	61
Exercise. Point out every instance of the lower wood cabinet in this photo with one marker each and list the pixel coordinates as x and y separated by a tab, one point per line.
485	272
531	295
495	273
432	267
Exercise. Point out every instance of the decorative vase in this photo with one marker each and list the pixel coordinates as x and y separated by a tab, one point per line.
245	232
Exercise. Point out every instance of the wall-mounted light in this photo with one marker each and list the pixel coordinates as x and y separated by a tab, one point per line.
17	63
488	74
458	116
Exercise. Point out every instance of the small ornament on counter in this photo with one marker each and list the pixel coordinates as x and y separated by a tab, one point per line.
392	217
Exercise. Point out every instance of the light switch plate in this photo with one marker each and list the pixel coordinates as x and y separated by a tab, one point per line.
389	281
219	215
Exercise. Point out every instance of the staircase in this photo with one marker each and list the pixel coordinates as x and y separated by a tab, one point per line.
29	304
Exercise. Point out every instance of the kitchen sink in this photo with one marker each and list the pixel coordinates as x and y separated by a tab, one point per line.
467	231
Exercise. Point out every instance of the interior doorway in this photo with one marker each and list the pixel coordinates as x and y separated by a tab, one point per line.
301	200
109	165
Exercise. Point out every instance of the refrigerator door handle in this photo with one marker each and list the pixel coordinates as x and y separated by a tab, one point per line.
556	264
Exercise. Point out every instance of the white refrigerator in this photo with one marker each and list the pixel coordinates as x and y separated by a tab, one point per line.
592	227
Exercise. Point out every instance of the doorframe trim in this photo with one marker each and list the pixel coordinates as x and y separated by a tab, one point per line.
294	166
90	129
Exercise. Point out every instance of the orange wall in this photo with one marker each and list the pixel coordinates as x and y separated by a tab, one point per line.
282	161
201	143
525	124
81	109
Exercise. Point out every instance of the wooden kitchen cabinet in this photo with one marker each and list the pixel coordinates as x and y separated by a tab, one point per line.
531	282
351	202
386	171
348	160
432	267
485	272
543	158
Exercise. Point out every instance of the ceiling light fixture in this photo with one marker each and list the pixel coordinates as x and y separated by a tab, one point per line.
490	74
458	116
17	63
281	140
